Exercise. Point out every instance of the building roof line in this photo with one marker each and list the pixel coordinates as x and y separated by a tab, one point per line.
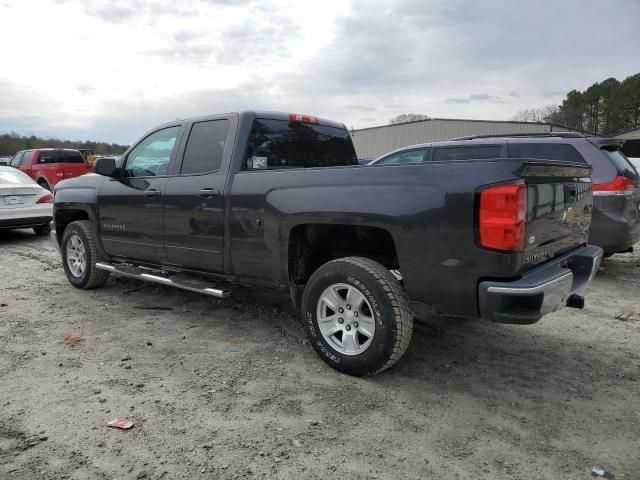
626	130
463	120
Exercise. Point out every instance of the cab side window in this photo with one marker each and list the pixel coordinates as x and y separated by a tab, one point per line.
15	161
406	157
205	146
151	156
74	157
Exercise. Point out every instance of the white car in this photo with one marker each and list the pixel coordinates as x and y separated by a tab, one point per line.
24	203
635	161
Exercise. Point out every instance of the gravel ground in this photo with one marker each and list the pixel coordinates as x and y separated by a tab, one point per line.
231	389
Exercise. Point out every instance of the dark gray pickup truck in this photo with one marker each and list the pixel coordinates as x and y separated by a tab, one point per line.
278	200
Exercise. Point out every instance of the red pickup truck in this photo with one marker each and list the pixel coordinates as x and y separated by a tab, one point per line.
48	166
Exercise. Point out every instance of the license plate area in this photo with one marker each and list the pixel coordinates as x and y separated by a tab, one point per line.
13	200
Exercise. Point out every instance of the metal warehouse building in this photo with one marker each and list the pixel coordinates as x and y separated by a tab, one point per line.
372	142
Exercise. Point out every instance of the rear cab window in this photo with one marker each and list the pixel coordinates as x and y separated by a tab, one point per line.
51	156
73	157
469	152
282	144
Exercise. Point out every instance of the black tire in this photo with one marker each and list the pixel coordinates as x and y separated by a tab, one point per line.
91	277
44	184
389	308
42	230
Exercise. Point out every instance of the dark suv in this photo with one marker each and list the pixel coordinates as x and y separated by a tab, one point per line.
616	193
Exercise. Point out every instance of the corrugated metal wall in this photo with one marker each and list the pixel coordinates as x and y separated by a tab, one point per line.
373	142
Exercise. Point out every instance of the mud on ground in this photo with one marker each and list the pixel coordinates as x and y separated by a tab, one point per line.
231	389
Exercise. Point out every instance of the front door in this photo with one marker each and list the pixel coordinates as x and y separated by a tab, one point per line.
194	198
131	208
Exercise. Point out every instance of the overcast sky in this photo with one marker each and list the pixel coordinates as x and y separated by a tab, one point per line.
110	69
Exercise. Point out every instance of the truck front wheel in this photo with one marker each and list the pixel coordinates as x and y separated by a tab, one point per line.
357	316
80	254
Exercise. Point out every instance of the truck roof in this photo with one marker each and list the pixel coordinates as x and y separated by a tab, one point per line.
47	149
265	114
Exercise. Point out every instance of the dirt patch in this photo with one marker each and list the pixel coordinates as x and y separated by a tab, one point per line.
230	389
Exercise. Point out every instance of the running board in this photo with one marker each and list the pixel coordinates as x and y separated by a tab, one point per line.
178	280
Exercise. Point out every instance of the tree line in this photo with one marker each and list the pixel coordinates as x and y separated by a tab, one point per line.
604	108
12	142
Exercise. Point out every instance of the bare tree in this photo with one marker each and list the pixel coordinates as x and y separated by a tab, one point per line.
408	117
537	115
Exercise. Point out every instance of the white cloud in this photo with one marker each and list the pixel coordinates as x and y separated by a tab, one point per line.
109	70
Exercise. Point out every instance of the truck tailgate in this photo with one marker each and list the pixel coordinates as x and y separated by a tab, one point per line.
559	206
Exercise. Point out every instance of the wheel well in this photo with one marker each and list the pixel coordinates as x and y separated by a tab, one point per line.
65	217
312	245
43	181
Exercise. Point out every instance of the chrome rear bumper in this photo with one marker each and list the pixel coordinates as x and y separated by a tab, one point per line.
540	291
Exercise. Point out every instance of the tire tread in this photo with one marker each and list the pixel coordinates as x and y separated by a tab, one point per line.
97	277
399	301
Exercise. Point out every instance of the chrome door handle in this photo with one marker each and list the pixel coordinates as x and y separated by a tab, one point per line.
152	192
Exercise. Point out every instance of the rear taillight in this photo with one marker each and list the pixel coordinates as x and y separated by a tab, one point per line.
48	198
619	186
296	117
502	216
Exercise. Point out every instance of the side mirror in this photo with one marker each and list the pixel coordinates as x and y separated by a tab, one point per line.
105	166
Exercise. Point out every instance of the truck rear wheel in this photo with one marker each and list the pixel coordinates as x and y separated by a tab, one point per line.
357	316
80	254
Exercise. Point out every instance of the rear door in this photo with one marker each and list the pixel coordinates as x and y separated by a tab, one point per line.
131	208
194	206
